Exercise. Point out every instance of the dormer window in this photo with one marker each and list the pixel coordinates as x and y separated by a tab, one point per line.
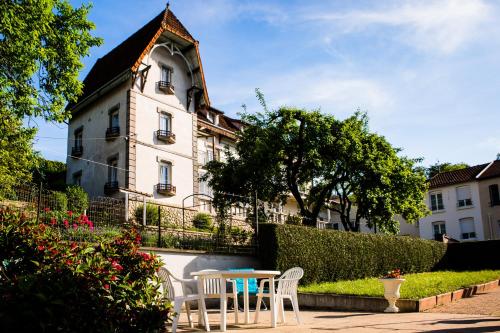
165	83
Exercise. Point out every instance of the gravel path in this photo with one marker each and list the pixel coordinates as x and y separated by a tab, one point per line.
481	304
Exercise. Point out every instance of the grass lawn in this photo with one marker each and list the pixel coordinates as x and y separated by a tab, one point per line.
416	286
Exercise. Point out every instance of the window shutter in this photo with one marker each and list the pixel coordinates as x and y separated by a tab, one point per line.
463	193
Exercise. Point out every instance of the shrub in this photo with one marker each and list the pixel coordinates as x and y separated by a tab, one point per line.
49	284
78	199
60	201
469	256
151	214
330	255
203	221
293	219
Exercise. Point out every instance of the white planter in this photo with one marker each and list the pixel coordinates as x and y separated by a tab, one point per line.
391	293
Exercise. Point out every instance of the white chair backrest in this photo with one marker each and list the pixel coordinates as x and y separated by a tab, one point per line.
166	283
288	282
211	285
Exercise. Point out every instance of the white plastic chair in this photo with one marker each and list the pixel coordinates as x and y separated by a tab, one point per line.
287	289
167	280
211	289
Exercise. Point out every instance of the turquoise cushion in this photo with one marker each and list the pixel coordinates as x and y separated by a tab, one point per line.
253	288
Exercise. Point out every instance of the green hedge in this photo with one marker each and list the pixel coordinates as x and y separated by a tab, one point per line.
330	255
472	256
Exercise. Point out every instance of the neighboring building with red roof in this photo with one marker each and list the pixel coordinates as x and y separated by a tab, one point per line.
465	204
144	122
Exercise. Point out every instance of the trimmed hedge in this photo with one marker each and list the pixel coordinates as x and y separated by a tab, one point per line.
330	255
471	256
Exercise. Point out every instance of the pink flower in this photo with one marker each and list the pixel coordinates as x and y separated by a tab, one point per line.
106	286
46	209
91	225
114	278
53	221
70	213
66	224
75	226
116	265
41	247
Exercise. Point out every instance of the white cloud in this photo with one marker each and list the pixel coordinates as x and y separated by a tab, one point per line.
322	87
441	26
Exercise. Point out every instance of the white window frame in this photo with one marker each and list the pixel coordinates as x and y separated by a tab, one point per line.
465	202
442	225
168	166
435	195
166	73
113	169
471	235
165	115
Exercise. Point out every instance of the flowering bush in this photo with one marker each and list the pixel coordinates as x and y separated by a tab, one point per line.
50	284
394	274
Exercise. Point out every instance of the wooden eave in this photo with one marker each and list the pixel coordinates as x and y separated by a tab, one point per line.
216	129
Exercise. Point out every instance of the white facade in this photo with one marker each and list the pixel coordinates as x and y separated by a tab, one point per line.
457	217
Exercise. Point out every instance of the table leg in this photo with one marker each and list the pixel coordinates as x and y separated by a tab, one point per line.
272	301
246	306
223	304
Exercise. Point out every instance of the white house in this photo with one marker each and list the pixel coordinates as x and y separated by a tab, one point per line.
458	202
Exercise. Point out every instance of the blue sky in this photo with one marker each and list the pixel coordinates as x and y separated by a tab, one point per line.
426	72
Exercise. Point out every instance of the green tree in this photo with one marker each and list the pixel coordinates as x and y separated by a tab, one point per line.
51	173
316	157
16	151
41	46
439	167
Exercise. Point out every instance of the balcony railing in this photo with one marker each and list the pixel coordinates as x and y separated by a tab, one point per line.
165	189
166	87
166	136
77	151
110	187
112	132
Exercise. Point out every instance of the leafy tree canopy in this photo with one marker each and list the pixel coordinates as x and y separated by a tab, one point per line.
438	167
41	46
51	173
289	150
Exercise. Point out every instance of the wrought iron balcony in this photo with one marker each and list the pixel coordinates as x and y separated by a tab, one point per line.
165	189
166	136
166	87
110	187
76	151
112	132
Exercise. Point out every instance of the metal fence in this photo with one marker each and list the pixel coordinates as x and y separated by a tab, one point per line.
194	227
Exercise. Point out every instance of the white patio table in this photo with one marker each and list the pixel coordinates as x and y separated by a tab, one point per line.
245	275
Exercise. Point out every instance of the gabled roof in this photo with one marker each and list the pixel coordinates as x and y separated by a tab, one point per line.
456	177
491	171
127	56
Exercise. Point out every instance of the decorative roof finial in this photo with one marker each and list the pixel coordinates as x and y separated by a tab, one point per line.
168	6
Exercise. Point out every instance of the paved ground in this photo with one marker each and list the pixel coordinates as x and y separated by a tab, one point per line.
483	304
315	321
480	314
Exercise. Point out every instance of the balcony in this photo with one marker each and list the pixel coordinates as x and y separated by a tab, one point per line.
165	136
110	187
76	151
166	87
165	189
112	132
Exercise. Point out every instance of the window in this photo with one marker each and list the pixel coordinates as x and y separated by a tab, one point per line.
436	201
204	188
467	230
166	74
165	122
113	171
77	178
113	123
439	229
77	149
494	195
165	173
464	196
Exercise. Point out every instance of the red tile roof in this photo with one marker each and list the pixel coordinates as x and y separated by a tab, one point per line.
128	54
492	171
457	176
